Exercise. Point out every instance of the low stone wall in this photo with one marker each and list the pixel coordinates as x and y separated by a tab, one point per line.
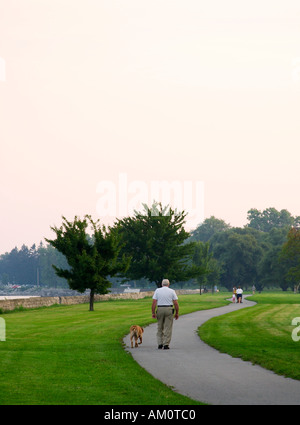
86	298
32	302
35	302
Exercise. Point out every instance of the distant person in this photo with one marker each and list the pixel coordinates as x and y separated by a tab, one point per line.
253	289
239	294
165	300
234	293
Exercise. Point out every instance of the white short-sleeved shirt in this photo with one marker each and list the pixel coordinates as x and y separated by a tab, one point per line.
164	296
239	291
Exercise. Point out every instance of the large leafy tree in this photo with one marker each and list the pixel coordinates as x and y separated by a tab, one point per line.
155	239
271	272
206	230
290	256
203	257
92	259
238	252
269	218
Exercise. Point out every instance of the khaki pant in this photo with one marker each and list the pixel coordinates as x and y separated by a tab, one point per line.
164	325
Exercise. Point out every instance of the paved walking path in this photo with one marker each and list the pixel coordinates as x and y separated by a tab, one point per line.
202	373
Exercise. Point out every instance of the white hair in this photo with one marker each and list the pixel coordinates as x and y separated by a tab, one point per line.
165	282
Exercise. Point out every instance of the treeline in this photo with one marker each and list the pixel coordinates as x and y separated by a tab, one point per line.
264	253
32	267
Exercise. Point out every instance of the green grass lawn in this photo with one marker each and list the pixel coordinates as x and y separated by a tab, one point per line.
260	334
69	355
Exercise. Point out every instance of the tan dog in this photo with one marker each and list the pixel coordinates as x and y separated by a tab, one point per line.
136	332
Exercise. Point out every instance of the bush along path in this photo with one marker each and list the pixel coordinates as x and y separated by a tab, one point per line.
202	373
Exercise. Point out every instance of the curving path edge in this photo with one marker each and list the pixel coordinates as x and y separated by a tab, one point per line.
193	368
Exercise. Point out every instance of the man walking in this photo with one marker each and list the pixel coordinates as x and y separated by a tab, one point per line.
165	299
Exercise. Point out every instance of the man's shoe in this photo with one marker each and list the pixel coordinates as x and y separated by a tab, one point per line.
160	347
166	347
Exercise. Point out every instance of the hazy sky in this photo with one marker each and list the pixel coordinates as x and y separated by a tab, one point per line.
137	91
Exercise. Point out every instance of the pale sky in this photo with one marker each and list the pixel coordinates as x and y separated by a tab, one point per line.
161	90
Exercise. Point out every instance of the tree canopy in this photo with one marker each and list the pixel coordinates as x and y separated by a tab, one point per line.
290	255
203	257
206	230
238	253
269	218
91	258
155	239
159	246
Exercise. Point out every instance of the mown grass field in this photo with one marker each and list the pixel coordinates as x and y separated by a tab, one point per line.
261	334
71	356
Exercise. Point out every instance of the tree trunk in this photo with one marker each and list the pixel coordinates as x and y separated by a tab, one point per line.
92	293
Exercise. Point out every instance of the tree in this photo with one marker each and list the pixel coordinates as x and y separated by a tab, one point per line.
238	252
203	258
49	256
91	259
290	255
270	218
20	265
271	272
155	241
210	226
